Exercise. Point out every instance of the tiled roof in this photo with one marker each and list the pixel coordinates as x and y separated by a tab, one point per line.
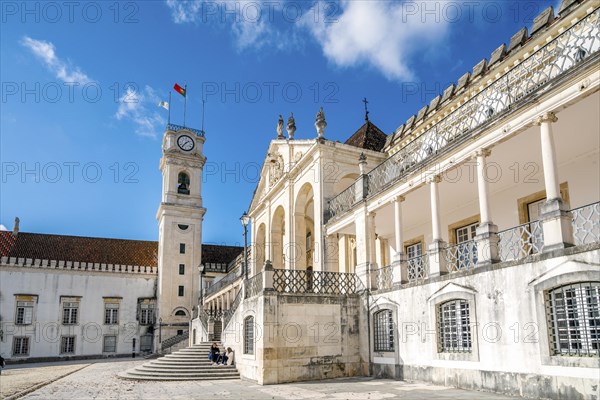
369	137
97	250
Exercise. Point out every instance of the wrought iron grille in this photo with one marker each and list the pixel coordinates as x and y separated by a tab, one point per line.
229	313
228	279
342	202
385	277
418	267
203	319
586	224
292	281
521	241
454	330
461	256
249	335
574	319
575	45
254	285
383	329
177	128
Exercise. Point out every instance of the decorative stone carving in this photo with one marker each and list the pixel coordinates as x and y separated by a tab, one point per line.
320	124
291	126
280	128
275	168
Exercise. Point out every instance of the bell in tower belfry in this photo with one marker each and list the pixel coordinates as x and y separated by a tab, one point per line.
179	216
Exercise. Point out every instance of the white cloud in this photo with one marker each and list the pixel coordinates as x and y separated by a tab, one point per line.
381	34
140	107
184	11
3	228
45	51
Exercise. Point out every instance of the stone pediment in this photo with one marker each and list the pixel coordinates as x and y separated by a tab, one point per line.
451	288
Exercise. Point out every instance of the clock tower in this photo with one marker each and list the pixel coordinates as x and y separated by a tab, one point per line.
179	216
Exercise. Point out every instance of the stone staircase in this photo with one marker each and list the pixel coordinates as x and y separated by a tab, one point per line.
187	364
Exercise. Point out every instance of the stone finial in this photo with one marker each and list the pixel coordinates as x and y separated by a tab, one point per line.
362	163
280	128
320	124
291	126
16	227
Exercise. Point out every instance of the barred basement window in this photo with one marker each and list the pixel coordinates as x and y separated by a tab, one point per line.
249	335
383	328
24	315
110	344
454	331
70	310
21	346
67	345
111	313
574	319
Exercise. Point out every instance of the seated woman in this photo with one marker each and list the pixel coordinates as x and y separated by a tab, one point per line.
228	357
214	353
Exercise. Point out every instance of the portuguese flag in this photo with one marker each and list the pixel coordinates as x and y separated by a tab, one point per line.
179	90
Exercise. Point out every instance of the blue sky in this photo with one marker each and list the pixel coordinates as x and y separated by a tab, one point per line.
80	129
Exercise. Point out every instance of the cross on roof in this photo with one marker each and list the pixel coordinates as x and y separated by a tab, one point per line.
366	109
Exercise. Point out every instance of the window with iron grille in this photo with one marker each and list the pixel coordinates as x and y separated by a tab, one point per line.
110	344
111	313
249	335
147	314
383	329
70	311
24	315
67	344
21	346
454	330
574	319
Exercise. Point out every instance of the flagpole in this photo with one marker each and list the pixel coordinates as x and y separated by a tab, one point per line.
169	110
203	101
184	102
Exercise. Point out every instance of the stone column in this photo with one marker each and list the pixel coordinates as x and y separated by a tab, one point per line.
363	248
400	267
487	233
268	276
372	250
437	247
556	219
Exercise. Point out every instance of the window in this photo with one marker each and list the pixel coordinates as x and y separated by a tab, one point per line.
249	335
183	183
181	248
414	250
466	254
67	345
180	313
466	233
574	319
24	315
454	330
146	314
180	291
383	329
21	346
70	310
181	269
110	344
146	342
179	331
111	313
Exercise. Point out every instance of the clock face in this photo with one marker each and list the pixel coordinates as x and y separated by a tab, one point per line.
185	142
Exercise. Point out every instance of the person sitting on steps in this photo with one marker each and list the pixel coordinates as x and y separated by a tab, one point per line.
214	353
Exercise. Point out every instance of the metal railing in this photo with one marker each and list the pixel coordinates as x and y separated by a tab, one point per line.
172	341
461	256
521	241
586	224
229	313
177	128
385	277
292	281
228	279
418	267
533	74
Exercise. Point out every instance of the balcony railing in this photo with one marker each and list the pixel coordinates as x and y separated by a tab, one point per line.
293	281
521	241
418	267
586	224
177	128
577	44
385	277
229	313
461	256
228	279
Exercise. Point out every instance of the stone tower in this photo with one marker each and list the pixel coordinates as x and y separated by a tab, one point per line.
179	216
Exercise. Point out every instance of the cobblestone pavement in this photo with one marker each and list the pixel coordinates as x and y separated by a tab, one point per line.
99	381
14	381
